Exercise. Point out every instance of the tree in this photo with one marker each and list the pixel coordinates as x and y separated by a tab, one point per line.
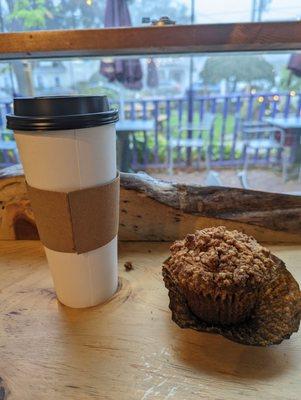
289	81
68	14
24	15
20	15
29	15
51	14
234	69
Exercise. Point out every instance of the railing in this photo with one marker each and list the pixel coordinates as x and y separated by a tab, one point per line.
222	142
150	149
8	151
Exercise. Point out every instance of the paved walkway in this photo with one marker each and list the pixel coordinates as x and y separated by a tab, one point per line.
259	179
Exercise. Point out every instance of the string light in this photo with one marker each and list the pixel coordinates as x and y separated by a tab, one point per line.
253	91
260	99
89	2
276	97
292	93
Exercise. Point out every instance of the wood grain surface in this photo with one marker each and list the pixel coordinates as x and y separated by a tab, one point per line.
160	211
152	40
128	348
275	211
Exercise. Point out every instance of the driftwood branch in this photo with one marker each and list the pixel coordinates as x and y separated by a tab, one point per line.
151	209
272	210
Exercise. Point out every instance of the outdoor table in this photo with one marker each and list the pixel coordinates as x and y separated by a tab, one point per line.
290	125
124	129
5	146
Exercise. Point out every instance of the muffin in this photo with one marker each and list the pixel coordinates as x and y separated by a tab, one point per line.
220	274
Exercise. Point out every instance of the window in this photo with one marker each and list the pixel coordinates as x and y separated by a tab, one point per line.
233	106
213	117
20	15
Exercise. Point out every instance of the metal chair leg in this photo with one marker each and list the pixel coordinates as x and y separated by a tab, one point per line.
6	157
243	180
246	162
207	157
198	160
170	162
285	159
243	175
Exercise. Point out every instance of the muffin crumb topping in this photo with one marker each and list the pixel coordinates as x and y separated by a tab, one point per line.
215	258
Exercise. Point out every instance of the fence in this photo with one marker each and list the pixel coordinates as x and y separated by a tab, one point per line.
150	149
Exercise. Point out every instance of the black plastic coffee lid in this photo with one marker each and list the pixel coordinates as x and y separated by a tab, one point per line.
60	113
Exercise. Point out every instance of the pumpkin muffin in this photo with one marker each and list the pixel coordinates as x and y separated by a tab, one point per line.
220	273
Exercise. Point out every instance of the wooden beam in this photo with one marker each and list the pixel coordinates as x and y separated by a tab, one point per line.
152	40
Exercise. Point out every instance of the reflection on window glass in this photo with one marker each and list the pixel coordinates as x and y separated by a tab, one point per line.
20	15
224	119
219	11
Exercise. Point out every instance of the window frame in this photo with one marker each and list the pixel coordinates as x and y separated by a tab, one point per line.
178	39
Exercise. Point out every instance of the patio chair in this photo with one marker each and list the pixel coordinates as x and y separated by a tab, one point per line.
9	152
258	136
196	140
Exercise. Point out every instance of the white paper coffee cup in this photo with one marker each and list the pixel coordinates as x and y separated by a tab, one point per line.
81	155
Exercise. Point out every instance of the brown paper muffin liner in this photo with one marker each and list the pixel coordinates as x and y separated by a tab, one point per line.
275	316
221	308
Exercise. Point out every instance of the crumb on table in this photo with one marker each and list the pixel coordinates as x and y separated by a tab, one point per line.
128	265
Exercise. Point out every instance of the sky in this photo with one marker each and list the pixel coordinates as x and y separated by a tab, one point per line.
215	11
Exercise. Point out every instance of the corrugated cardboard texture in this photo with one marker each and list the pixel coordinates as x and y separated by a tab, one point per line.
77	221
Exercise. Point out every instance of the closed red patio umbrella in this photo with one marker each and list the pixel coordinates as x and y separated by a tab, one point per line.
126	71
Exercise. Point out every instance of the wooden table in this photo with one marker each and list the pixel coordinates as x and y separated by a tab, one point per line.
128	348
124	129
285	123
290	125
